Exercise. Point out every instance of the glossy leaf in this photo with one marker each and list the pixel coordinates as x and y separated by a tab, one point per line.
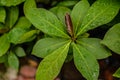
78	13
2	14
94	46
117	73
19	51
4	44
11	2
45	21
51	64
85	62
52	26
112	38
23	22
60	12
12	16
45	46
101	12
13	61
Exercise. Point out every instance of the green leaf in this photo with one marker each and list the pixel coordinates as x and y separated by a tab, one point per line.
15	34
85	62
11	2
21	35
13	61
23	22
28	5
4	44
60	12
19	51
67	3
51	64
2	14
101	12
47	22
44	20
112	38
78	13
117	73
94	47
28	36
12	16
45	46
3	58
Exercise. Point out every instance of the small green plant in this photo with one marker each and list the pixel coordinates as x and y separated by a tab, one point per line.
70	38
64	35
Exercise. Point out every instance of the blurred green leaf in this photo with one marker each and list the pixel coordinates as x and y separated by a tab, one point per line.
11	2
3	58
12	16
117	73
2	14
19	51
19	35
15	34
28	36
13	61
23	22
4	44
67	3
112	38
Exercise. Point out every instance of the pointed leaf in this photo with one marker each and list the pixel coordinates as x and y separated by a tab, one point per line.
117	73
46	46
23	22
60	12
112	38
2	14
85	62
19	51
51	64
11	2
13	61
45	20
78	13
4	44
94	47
101	12
12	16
